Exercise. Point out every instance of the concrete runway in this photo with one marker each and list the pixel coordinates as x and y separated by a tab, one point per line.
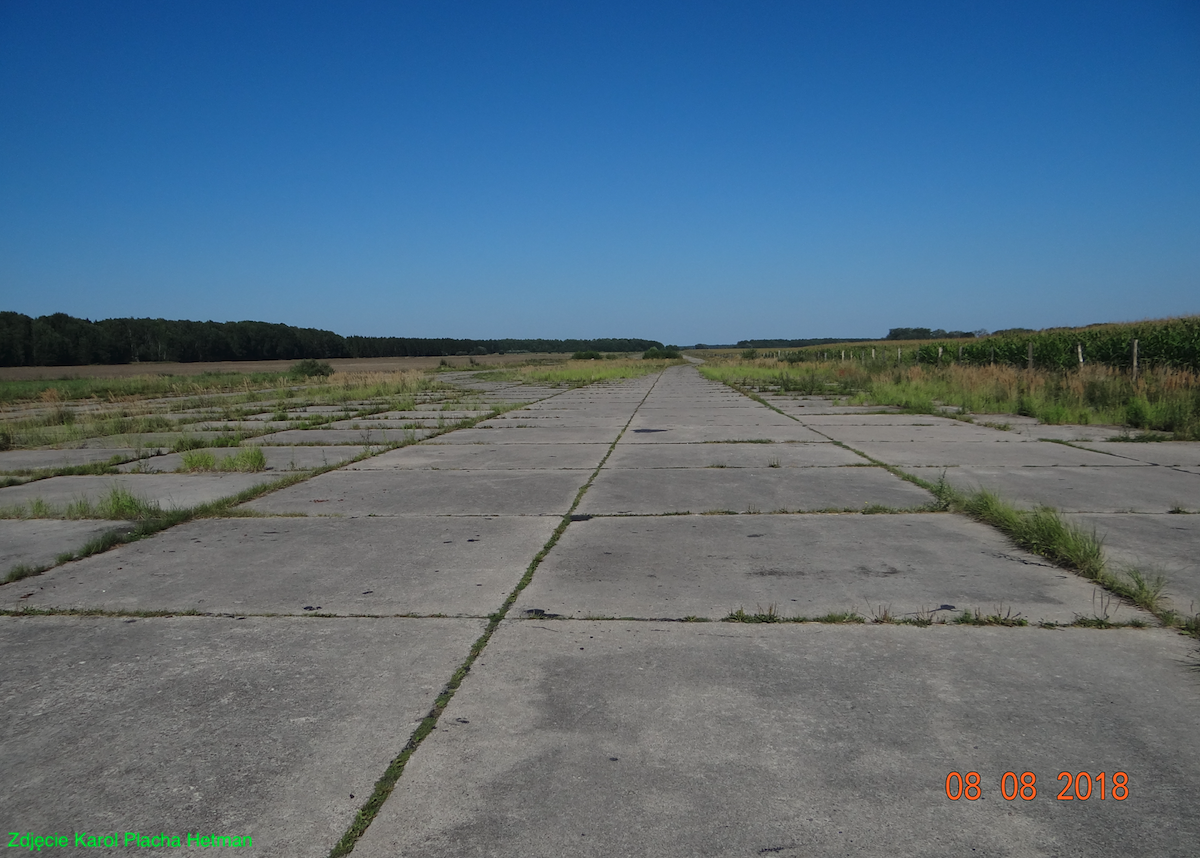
255	676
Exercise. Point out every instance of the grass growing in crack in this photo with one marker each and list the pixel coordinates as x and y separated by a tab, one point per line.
118	503
772	615
22	570
89	469
978	618
1043	531
245	460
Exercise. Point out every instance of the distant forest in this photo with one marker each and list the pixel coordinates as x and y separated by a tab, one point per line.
62	340
798	344
931	334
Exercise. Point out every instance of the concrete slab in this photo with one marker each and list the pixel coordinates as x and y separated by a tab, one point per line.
1156	544
611	738
335	437
18	461
393	492
556	420
259	727
684	415
834	410
504	457
985	454
805	565
632	492
944	431
170	491
435	413
564	435
38	541
360	423
1129	489
242	427
699	434
797	455
438	413
454	565
870	418
143	441
278	458
1170	453
1073	433
600	410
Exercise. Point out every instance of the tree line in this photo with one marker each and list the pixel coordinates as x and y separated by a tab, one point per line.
798	344
930	334
63	340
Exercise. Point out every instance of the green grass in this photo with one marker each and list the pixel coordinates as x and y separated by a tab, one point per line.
117	504
70	389
1163	400
579	373
198	460
22	570
1043	531
245	460
89	469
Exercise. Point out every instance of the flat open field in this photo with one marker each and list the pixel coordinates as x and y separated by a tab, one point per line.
456	614
130	370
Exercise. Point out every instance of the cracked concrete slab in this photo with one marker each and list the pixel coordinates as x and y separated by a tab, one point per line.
611	738
414	492
1156	544
699	434
456	565
739	417
488	457
170	491
278	458
1169	453
38	541
870	418
13	461
257	727
1146	488
930	432
916	565
533	435
331	437
789	455
924	454
649	492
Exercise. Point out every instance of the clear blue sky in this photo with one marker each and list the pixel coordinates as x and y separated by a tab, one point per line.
688	172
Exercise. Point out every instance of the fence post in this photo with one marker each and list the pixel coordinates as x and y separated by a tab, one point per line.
1079	350
992	355
1135	366
1029	362
960	348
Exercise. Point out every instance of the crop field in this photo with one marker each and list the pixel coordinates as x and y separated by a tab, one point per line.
1161	401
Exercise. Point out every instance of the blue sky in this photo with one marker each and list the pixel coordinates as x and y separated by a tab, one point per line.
690	172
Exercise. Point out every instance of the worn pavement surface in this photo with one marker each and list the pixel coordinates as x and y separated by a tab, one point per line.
255	676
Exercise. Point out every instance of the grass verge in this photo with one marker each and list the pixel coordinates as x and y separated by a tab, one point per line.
1041	531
